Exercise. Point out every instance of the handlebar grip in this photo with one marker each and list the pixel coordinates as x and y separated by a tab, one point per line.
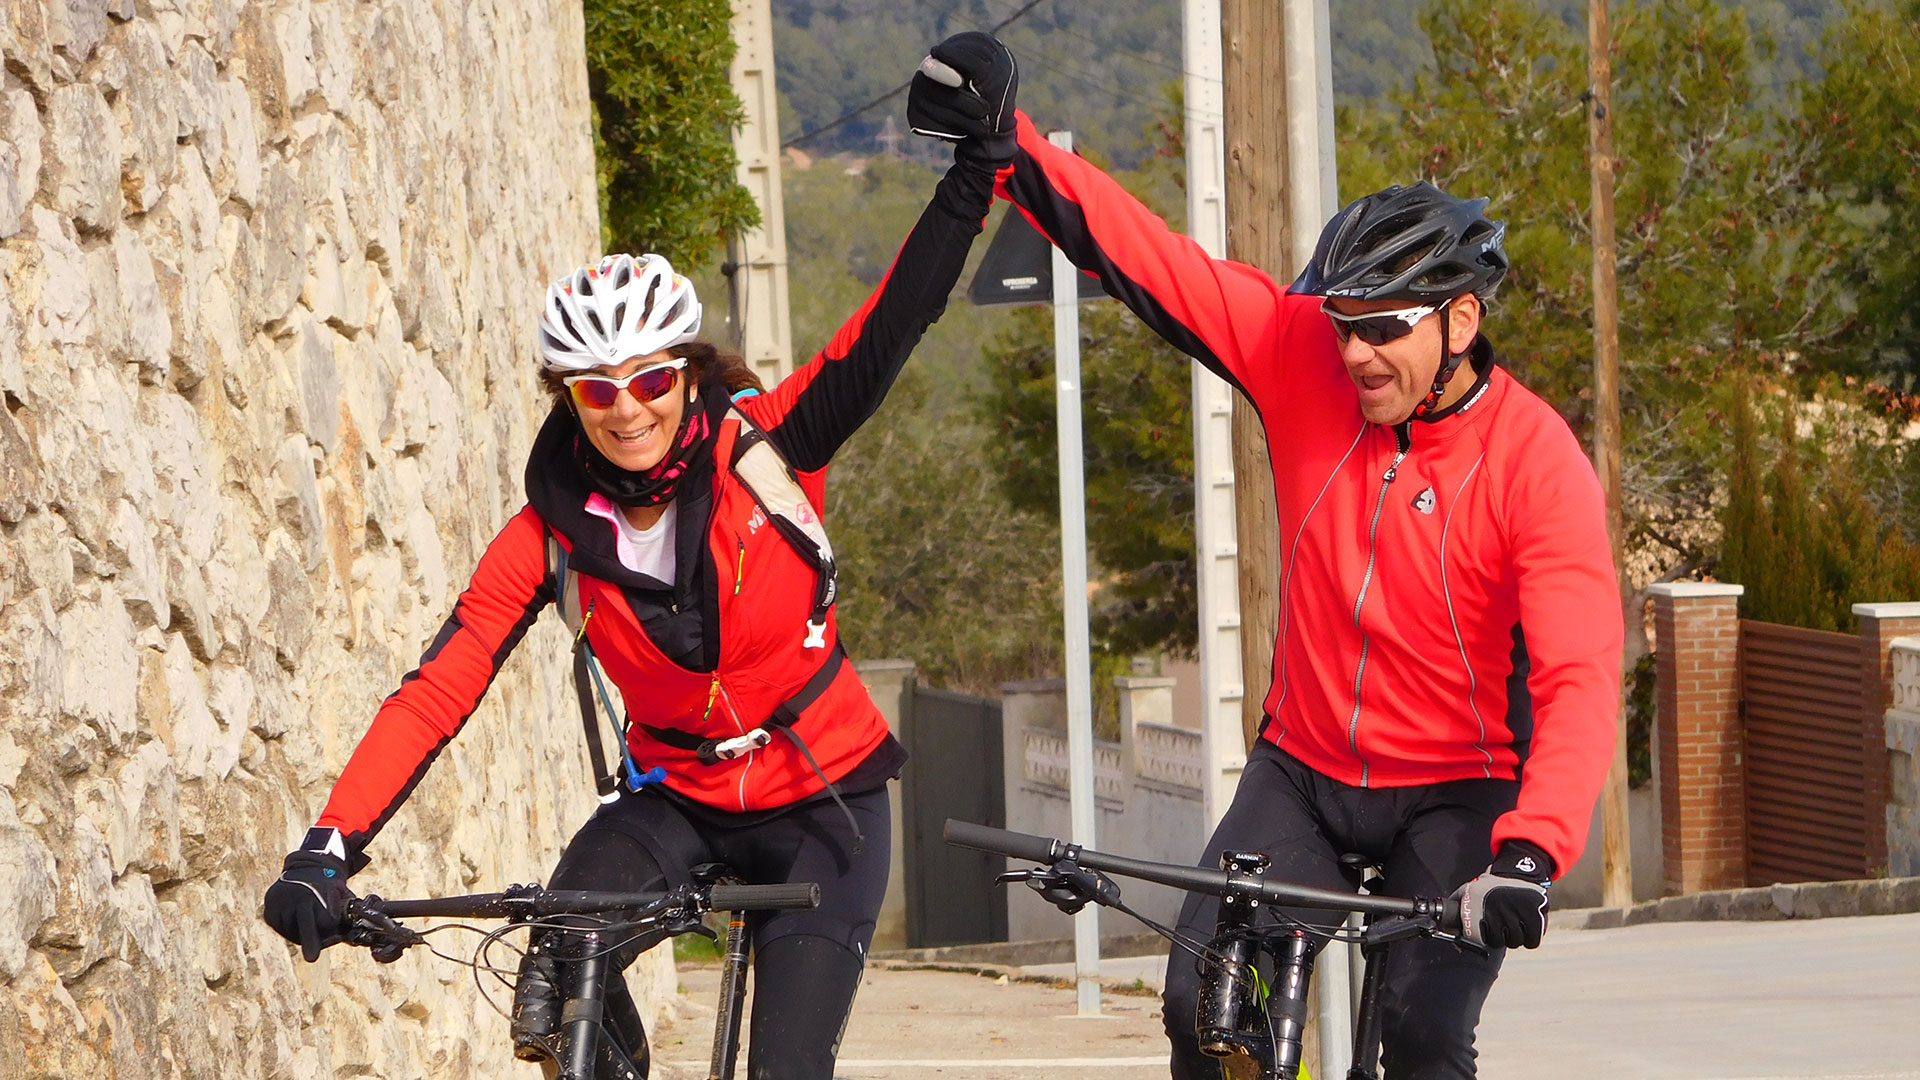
797	894
1038	849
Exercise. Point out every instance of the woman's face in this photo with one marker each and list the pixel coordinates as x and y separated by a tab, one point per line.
633	434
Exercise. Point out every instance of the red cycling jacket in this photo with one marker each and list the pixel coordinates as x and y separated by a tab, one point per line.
714	652
1446	613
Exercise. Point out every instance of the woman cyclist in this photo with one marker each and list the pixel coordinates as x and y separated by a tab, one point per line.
686	508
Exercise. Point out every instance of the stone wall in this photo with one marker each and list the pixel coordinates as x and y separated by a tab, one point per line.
268	276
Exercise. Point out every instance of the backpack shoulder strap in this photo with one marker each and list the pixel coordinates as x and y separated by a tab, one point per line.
565	581
566	597
772	483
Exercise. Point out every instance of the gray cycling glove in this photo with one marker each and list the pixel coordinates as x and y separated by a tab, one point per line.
1506	907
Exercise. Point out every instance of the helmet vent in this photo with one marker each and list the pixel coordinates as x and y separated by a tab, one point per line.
626	275
619	315
598	328
653	289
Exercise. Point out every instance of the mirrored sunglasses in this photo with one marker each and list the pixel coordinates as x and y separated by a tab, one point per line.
601	391
1377	327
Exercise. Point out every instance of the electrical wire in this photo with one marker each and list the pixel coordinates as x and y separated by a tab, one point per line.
896	91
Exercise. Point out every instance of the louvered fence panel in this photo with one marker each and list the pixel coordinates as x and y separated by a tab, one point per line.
1802	706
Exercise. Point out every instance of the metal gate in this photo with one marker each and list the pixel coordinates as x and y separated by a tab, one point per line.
954	773
1801	707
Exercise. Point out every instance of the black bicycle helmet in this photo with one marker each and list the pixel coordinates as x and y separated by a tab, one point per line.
1407	243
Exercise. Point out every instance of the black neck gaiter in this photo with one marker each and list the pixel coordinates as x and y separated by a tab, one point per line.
691	444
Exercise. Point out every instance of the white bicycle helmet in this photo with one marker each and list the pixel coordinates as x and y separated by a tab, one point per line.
621	307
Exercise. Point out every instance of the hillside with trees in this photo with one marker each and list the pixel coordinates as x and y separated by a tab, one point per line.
1766	208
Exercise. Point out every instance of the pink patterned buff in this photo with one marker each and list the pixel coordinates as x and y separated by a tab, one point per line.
656	485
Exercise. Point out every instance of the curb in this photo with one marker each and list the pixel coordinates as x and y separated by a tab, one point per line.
1806	900
1014	954
1009	973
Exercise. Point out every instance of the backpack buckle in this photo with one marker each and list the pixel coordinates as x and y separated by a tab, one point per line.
728	749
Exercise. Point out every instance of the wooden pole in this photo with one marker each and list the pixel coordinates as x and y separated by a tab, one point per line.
1253	51
1615	833
1252	36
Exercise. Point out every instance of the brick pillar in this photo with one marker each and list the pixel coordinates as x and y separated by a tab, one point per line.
1703	821
1879	625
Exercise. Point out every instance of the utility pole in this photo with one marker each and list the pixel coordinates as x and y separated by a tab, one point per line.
1255	92
1223	741
1280	188
757	259
1615	832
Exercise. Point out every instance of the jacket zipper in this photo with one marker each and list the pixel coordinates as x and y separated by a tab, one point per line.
1403	438
741	790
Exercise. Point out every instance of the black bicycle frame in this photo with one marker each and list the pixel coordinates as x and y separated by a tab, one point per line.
584	963
1231	1019
733	994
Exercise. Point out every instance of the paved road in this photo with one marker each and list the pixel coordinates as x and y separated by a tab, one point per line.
1823	999
1828	999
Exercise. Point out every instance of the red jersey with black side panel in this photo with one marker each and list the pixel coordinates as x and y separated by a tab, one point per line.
1446	613
715	651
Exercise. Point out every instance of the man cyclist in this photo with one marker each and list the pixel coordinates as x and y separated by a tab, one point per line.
1448	607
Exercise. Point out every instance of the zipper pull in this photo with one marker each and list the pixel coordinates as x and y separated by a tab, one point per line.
740	568
712	693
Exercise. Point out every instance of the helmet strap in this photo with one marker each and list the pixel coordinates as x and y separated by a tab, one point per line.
1449	363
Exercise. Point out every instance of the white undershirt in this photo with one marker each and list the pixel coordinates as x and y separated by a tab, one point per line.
644	551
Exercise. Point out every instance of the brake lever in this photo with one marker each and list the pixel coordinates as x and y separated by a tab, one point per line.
1464	944
383	936
1067	885
1398	928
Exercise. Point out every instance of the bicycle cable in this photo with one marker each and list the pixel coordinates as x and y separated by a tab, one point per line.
1201	950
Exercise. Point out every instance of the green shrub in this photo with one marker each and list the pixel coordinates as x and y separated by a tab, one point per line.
663	118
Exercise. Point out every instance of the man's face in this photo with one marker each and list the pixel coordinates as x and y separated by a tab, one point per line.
1394	376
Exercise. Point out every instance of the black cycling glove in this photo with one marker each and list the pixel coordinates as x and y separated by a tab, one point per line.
307	905
964	89
1506	907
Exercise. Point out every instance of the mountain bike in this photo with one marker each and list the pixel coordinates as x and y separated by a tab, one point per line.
587	1047
1253	995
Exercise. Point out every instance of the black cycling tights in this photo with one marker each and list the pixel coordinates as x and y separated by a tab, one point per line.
1430	839
806	964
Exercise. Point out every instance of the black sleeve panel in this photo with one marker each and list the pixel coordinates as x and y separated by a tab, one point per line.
817	408
1229	316
508	589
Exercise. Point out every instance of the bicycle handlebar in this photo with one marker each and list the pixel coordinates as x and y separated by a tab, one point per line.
1043	849
533	902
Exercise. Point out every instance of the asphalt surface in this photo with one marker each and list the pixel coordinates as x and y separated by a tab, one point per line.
1826	999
